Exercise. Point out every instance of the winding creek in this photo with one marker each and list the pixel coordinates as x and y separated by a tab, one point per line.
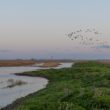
13	87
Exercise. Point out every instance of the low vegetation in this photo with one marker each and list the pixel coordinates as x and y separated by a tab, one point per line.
12	83
84	86
11	63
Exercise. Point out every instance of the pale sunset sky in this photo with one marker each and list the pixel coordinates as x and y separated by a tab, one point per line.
38	28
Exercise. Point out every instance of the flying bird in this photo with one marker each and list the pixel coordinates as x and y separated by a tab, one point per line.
86	37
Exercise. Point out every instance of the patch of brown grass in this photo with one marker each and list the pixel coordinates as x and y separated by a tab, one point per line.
9	63
107	62
13	83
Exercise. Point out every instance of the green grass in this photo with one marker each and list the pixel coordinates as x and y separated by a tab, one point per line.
82	87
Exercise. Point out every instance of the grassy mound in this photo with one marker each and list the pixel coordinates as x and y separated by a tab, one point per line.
85	86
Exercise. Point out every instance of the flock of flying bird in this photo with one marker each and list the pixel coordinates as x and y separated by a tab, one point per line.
86	37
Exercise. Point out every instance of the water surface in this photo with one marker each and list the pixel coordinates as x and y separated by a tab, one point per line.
31	85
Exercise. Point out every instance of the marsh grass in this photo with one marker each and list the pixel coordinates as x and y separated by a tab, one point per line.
84	86
12	83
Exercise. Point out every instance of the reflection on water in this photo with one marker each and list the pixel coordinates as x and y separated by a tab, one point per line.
21	85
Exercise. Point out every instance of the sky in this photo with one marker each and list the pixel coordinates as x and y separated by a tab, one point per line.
38	28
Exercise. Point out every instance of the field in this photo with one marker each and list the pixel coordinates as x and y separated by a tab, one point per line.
85	86
10	63
45	63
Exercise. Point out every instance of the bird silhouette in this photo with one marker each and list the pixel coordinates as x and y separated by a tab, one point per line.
86	37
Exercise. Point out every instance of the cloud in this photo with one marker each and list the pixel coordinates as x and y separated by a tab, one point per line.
104	46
